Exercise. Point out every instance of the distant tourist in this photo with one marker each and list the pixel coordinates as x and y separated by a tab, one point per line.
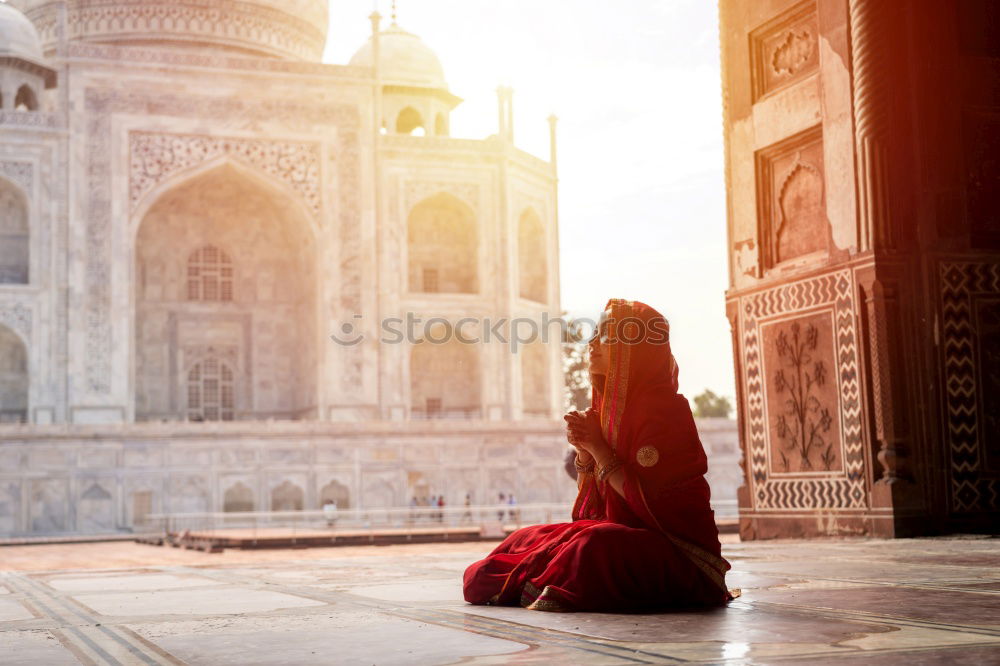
440	515
467	516
330	512
503	507
512	508
643	534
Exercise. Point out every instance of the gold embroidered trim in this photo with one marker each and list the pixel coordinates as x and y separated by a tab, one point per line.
532	599
647	456
616	384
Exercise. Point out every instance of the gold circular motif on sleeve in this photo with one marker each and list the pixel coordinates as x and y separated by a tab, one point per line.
647	456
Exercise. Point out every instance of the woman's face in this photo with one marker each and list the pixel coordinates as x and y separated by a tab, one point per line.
600	351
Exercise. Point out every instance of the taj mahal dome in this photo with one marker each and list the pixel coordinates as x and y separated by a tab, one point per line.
195	215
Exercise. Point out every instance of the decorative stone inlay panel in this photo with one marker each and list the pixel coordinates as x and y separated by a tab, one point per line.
804	328
785	49
970	313
792	210
276	30
802	398
21	173
18	317
155	157
314	118
417	190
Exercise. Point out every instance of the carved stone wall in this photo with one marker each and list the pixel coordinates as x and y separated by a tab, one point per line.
94	481
155	156
800	354
970	358
790	177
295	29
785	49
864	295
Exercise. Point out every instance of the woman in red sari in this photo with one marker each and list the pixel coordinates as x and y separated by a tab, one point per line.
643	534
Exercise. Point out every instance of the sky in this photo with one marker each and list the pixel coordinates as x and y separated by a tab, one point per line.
636	87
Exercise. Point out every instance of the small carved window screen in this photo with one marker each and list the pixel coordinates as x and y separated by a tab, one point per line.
210	392
431	280
209	275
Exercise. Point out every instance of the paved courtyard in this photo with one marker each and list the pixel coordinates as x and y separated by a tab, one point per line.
923	601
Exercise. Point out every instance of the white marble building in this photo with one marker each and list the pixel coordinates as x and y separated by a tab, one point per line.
191	204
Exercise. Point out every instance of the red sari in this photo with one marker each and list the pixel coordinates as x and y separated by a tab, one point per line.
658	546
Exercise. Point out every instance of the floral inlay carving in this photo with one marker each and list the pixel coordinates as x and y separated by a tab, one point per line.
806	421
156	157
793	52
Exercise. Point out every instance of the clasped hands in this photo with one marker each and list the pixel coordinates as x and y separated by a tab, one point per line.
583	431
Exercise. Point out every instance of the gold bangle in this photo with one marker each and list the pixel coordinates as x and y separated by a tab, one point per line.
607	470
583	469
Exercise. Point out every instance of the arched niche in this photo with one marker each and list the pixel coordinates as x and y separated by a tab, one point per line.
238	498
287	496
14	377
443	246
534	379
225	264
532	257
409	121
14	235
444	380
335	492
25	99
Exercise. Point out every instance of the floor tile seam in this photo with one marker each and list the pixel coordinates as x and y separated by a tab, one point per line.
68	594
866	653
831	579
171	659
246	582
894	620
91	618
83	641
324	595
74	648
534	635
123	621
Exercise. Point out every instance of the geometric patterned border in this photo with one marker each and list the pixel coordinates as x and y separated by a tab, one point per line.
961	281
839	490
154	157
21	173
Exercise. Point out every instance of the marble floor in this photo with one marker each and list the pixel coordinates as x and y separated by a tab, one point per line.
914	602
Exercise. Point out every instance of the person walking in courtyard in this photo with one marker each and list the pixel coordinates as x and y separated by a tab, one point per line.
643	533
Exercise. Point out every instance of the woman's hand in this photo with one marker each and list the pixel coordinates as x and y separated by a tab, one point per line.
577	436
584	432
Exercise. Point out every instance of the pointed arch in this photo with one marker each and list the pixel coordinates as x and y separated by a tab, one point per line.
443	246
26	99
532	257
409	121
444	380
335	492
190	295
15	234
14	377
238	498
535	379
287	496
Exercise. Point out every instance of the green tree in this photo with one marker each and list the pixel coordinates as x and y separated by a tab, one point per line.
576	370
709	405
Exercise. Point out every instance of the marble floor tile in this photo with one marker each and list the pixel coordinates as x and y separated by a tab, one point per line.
851	601
227	601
